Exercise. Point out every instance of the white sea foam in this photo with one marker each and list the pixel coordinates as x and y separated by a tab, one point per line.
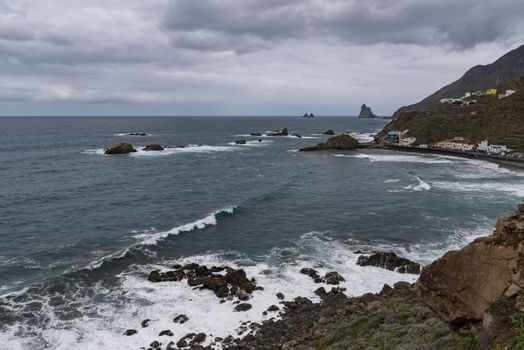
210	220
129	134
398	158
253	143
170	150
420	186
363	136
515	189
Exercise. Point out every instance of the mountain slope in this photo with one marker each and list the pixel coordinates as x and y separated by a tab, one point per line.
507	68
499	121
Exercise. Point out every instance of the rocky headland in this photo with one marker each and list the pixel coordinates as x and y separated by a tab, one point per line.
340	142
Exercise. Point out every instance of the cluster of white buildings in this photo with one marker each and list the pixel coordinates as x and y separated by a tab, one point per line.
466	99
455	144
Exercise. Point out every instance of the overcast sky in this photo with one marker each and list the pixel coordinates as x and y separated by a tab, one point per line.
242	57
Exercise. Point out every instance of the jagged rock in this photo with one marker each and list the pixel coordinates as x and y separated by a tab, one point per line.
240	142
145	323
121	148
214	282
311	273
242	307
130	332
239	279
389	261
181	319
282	132
329	132
153	147
273	308
333	278
166	332
365	112
280	296
157	276
342	142
199	338
462	284
155	344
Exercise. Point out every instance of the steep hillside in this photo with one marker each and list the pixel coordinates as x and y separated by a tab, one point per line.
499	121
507	68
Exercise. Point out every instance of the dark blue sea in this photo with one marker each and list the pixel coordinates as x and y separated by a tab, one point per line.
80	230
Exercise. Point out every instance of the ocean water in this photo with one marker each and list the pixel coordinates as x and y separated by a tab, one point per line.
80	230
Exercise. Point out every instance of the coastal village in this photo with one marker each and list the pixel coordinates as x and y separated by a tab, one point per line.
459	143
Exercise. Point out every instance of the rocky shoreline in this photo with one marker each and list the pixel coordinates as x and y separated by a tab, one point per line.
472	298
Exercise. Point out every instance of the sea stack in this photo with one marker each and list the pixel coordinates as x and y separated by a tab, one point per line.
365	112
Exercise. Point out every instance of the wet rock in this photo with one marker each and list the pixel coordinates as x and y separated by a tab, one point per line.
280	296
240	142
170	346
166	332
311	273
153	147
239	279
297	135
199	338
182	343
130	332
137	134
341	142
181	319
273	308
256	134
242	307
333	277
329	132
214	282
121	148
283	132
389	261
155	344
157	276
145	323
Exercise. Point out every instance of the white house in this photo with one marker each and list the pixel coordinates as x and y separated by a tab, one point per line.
508	93
485	147
407	141
456	144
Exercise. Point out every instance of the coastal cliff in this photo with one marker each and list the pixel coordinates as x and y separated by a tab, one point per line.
472	298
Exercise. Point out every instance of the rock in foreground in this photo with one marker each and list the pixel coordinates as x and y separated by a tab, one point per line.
462	284
283	132
337	142
389	261
121	148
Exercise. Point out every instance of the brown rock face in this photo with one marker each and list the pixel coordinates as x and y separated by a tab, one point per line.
462	284
336	142
121	148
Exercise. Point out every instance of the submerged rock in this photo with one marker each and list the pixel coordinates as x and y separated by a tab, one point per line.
389	261
121	148
342	142
240	142
130	332
181	319
153	147
242	307
256	134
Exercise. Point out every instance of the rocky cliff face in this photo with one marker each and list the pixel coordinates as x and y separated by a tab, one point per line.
365	112
462	284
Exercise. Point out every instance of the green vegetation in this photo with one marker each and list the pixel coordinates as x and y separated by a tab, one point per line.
467	342
499	121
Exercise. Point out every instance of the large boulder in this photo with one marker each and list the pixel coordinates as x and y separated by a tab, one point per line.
336	142
329	132
389	261
462	284
121	148
154	147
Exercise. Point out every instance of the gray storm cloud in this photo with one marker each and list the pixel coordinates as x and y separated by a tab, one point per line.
241	56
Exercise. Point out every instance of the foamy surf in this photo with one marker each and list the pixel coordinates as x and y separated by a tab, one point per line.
169	150
420	186
209	220
397	158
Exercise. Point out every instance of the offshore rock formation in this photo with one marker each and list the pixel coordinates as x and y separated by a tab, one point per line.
153	147
338	142
365	112
389	261
121	148
283	132
462	284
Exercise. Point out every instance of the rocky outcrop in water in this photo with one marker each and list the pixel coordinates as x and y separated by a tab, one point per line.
121	148
153	147
342	142
240	142
365	112
329	132
463	284
224	281
389	261
283	132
